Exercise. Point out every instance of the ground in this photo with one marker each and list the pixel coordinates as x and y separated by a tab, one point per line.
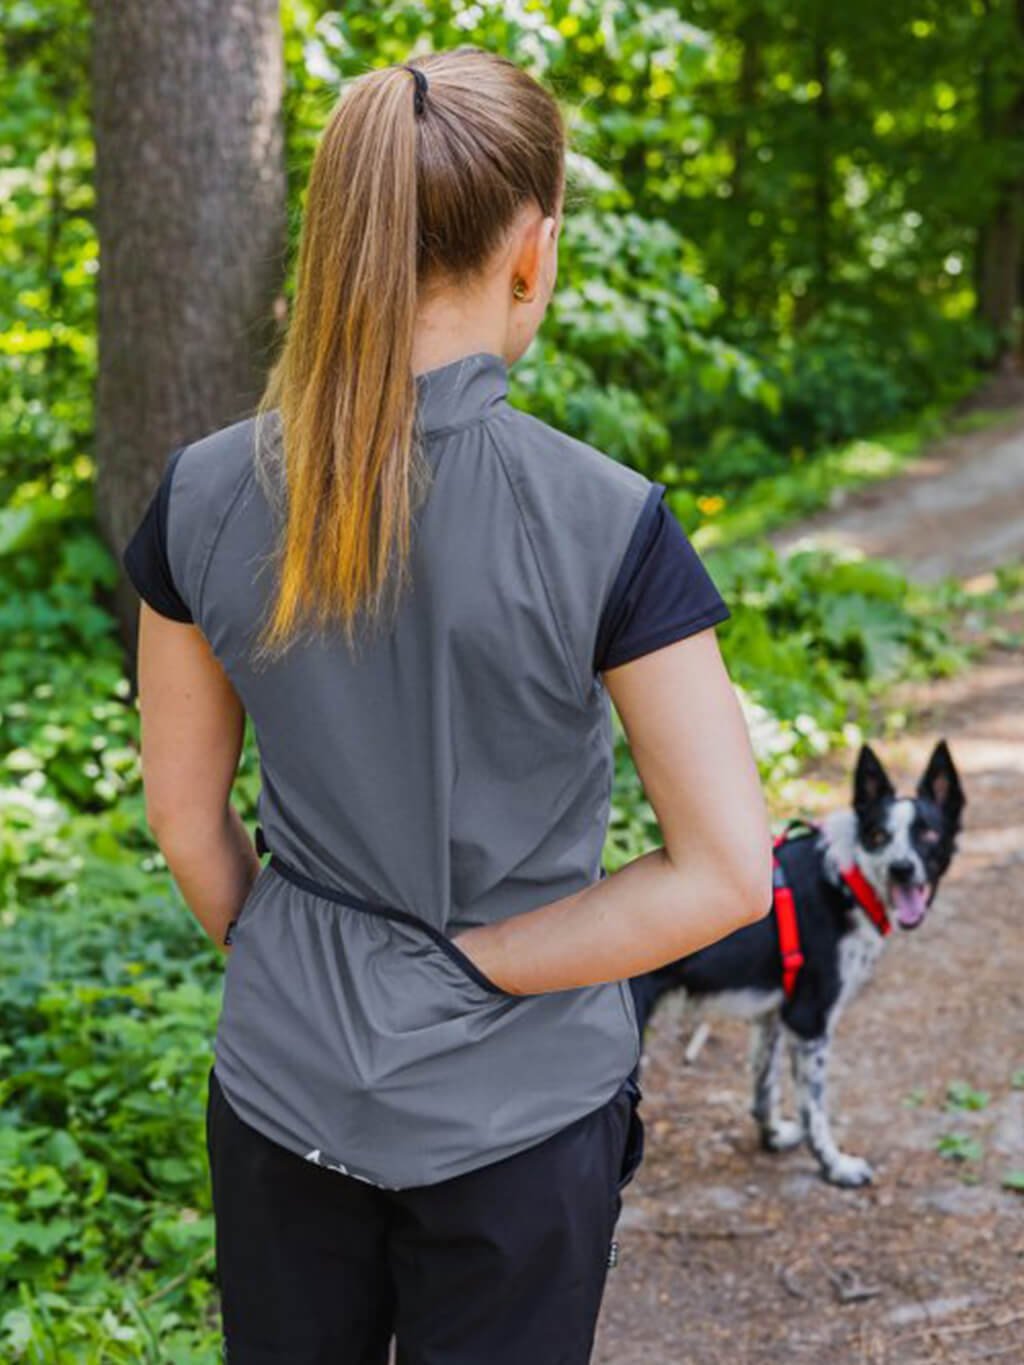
956	511
730	1256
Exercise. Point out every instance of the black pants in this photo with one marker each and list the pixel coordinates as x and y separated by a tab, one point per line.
504	1265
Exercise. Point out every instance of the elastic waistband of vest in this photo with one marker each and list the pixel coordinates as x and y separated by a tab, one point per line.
332	893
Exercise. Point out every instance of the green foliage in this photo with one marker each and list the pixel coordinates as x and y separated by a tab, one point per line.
814	637
108	994
959	1147
967	1149
763	254
108	990
773	228
749	269
961	1095
48	253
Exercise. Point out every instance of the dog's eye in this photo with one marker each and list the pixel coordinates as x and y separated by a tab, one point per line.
875	838
930	836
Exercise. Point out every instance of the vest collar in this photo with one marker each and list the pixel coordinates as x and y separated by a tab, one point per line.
460	392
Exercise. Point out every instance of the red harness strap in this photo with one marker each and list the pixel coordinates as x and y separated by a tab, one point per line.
866	897
785	923
785	908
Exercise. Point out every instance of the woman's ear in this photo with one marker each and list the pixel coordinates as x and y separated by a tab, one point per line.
538	239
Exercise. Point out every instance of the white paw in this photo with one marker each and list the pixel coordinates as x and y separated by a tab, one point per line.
783	1136
849	1171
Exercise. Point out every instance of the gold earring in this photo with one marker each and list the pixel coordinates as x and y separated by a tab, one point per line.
519	289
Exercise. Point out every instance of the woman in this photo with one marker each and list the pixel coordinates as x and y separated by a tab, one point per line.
422	1109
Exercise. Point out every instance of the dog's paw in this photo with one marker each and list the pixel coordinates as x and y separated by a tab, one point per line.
849	1172
782	1136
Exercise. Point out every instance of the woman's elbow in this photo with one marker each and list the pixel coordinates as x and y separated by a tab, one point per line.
757	907
751	896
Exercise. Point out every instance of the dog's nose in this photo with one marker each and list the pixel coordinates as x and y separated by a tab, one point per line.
902	870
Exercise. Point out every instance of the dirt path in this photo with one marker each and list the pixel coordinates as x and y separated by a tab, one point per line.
959	510
730	1256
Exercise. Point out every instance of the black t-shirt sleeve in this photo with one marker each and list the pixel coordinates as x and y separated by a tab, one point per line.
662	591
145	556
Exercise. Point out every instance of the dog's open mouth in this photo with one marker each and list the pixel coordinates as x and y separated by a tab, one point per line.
910	901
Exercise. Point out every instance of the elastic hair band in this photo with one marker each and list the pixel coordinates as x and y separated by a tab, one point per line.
421	87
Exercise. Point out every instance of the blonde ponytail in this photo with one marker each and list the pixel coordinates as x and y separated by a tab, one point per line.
396	199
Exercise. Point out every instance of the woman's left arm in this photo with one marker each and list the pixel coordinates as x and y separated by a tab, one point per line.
192	729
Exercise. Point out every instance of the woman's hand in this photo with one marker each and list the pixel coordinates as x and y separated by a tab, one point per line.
482	944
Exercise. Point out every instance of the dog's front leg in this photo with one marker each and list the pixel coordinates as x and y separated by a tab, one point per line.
777	1134
810	1072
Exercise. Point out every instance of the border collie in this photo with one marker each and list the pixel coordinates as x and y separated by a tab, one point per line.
894	851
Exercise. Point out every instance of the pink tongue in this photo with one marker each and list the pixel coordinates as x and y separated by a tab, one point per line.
910	904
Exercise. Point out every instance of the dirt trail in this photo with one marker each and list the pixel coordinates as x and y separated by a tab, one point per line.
959	510
729	1256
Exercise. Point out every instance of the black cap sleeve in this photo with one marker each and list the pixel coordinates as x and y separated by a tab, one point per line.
662	591
145	556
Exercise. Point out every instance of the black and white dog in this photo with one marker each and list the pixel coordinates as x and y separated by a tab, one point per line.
849	878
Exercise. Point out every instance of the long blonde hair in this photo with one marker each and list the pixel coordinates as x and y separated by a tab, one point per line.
397	200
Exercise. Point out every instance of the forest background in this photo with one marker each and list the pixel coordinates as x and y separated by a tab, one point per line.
792	255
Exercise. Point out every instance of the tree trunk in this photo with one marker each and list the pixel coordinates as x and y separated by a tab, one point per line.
998	267
1000	271
191	217
823	163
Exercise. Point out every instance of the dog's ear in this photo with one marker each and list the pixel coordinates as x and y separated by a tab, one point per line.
941	784
870	780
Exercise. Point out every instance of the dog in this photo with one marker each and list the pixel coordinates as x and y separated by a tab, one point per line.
893	851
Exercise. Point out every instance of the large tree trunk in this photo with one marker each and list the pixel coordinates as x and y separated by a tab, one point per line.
191	217
1000	272
823	175
998	263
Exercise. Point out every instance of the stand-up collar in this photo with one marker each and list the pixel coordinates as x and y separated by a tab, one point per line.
461	391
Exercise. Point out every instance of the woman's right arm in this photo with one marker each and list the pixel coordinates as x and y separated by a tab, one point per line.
713	875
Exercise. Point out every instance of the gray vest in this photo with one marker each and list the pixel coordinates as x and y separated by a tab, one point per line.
455	771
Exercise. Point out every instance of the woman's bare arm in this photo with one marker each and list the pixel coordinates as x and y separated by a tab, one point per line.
691	748
193	725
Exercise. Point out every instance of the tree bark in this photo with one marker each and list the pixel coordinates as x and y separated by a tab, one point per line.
823	161
191	216
998	267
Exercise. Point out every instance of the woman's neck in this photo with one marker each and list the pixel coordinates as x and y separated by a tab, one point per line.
452	325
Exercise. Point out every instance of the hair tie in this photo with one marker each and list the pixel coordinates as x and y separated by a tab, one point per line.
421	87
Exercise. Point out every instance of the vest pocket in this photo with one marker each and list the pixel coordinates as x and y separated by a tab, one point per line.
258	883
437	937
467	965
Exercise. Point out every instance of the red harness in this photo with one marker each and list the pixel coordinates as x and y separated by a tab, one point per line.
785	908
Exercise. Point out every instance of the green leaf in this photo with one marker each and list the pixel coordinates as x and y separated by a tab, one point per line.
959	1147
960	1095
